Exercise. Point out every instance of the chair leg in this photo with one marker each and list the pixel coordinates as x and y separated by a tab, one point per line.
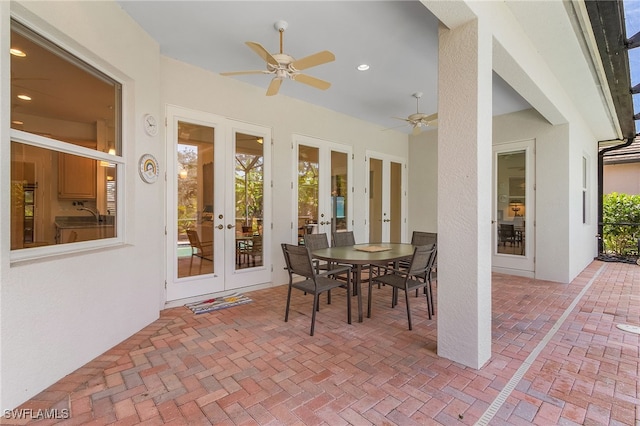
286	312
316	302
406	298
348	299
369	299
329	297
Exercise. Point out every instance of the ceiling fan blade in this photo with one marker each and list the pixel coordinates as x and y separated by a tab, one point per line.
243	72
391	128
262	52
430	118
313	60
403	119
274	86
312	81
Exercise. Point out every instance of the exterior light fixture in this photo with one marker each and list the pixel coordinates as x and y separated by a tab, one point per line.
363	67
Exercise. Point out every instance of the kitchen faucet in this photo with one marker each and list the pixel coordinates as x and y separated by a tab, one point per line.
95	214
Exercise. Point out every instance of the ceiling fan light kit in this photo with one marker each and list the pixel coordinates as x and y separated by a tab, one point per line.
284	66
419	120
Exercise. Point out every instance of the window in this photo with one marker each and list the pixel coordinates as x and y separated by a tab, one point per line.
65	146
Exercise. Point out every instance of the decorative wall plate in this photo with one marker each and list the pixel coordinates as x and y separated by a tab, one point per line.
148	168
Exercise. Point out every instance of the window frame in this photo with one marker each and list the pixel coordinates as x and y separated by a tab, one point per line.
119	160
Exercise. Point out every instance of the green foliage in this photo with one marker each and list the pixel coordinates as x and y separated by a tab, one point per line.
621	223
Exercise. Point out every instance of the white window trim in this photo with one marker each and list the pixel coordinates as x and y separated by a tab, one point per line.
33	253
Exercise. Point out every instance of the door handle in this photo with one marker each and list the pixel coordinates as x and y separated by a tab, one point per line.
220	226
229	226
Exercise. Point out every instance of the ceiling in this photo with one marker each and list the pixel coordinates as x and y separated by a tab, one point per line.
398	39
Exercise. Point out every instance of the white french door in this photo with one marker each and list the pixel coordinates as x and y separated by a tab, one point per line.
514	208
323	187
387	207
218	209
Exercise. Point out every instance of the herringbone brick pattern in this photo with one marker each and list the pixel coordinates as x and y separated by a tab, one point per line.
246	366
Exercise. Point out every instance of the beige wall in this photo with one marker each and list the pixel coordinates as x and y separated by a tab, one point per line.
622	178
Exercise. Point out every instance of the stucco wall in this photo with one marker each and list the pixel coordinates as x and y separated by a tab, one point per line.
59	313
622	178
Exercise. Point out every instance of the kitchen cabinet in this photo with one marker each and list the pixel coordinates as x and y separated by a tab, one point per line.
76	177
85	233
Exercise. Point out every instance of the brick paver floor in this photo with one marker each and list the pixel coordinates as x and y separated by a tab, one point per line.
246	366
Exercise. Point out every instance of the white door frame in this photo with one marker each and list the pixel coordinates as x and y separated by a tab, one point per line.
521	265
225	277
324	184
386	192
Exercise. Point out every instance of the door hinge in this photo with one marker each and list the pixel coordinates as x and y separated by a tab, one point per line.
165	230
353	157
272	184
291	185
165	284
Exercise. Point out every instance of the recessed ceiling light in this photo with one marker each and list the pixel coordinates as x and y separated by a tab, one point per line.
17	122
17	52
24	97
363	67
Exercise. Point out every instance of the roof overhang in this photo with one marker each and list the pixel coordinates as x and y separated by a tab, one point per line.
607	22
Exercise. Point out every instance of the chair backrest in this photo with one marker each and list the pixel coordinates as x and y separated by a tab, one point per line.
298	260
316	241
194	240
421	238
343	238
247	229
422	259
256	244
507	230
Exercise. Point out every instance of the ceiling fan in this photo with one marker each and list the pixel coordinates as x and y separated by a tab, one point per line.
419	120
284	66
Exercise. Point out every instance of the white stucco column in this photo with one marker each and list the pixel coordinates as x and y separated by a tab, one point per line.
464	193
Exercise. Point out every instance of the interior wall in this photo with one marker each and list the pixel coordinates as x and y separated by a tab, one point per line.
58	313
194	88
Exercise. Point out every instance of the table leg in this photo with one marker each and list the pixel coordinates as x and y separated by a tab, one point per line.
359	290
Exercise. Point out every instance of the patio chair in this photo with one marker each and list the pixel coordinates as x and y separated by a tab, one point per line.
204	251
507	234
343	238
408	279
298	261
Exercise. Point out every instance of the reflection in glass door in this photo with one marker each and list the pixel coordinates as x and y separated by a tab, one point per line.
323	203
195	192
386	199
249	194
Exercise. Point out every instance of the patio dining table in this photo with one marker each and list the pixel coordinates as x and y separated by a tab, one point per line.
364	254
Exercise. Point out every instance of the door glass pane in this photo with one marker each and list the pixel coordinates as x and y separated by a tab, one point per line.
195	199
339	192
308	178
375	200
511	208
395	207
249	196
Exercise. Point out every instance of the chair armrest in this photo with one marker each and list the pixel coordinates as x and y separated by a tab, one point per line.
335	271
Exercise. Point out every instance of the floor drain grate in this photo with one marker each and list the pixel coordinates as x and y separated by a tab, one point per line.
630	328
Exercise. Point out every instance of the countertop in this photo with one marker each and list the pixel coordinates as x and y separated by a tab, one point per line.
65	222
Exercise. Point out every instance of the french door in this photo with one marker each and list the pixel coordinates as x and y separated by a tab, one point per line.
323	187
387	207
514	208
218	208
